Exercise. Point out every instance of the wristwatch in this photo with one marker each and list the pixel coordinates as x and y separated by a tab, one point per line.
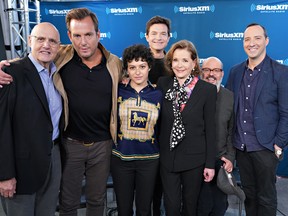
278	152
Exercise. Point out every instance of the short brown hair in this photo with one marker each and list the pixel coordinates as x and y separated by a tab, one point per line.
158	20
189	46
79	14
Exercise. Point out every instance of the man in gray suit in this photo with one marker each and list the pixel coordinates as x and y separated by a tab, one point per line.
212	200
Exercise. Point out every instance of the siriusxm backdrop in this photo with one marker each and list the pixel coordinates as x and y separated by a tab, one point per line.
215	27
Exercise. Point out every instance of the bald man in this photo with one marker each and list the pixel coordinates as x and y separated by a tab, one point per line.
212	200
30	113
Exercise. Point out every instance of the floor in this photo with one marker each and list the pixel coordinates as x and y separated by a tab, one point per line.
282	188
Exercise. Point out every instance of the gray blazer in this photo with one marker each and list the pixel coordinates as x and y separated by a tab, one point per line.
224	124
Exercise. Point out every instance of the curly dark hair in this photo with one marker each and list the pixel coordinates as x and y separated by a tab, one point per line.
139	52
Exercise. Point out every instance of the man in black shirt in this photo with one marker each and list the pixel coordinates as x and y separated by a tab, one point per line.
157	36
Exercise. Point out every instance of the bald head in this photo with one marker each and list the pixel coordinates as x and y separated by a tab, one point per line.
46	26
214	60
212	71
44	42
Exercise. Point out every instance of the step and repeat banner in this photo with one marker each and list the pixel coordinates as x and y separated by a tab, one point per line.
215	27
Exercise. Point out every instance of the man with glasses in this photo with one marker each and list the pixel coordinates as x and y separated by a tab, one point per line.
30	114
90	75
212	200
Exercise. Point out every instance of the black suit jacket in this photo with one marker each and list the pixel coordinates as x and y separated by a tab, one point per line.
198	147
26	129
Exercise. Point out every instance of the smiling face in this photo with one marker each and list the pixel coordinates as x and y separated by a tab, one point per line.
40	39
255	43
138	72
182	64
158	37
84	37
212	71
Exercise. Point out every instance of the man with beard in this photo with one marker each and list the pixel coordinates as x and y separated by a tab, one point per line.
212	200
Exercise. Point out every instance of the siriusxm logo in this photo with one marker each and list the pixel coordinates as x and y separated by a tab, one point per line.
226	36
56	12
124	11
201	60
105	35
285	61
278	8
194	10
172	35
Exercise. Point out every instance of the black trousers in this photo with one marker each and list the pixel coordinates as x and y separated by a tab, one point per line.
212	201
258	178
157	197
181	191
134	177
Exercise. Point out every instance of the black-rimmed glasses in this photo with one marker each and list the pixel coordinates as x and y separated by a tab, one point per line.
208	70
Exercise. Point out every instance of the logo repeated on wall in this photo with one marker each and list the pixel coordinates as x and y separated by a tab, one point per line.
194	9
56	12
124	11
219	21
105	35
172	35
283	61
226	36
276	8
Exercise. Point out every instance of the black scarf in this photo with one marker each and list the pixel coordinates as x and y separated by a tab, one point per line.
178	96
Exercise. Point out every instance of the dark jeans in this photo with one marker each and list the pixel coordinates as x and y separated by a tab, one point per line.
131	177
212	201
93	162
258	178
44	201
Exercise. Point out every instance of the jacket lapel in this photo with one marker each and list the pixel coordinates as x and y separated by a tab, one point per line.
194	97
262	78
238	80
36	83
166	103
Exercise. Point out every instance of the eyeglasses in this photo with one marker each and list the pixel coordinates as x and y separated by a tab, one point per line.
208	70
52	42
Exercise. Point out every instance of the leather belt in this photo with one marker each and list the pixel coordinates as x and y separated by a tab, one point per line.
84	143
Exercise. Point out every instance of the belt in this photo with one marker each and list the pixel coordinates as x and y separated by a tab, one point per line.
56	141
84	143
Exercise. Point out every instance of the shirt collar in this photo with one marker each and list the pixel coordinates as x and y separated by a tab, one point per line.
149	84
258	67
39	67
